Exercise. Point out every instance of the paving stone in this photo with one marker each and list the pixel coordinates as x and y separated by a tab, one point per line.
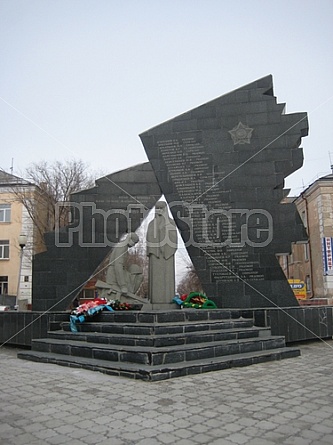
247	421
114	442
298	441
64	429
183	433
148	442
24	439
72	442
78	433
260	415
328	422
127	437
327	438
312	428
288	430
58	439
147	432
5	427
167	438
149	423
258	441
273	435
238	438
53	423
266	425
199	428
93	439
166	427
185	442
323	414
150	414
221	442
213	423
101	429
321	429
45	434
184	423
201	438
253	432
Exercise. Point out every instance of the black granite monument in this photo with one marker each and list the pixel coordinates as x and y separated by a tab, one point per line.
221	167
100	217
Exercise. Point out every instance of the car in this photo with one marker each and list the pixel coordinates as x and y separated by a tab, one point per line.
4	308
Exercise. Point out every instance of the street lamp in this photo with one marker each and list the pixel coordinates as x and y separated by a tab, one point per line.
22	241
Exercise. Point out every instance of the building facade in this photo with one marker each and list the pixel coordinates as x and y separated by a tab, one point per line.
15	220
312	262
315	206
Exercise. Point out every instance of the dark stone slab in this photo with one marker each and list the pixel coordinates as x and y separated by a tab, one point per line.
167	317
221	167
63	348
299	323
103	354
199	354
163	330
145	317
134	357
220	352
118	203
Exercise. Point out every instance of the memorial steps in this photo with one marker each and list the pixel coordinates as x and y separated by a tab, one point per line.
160	345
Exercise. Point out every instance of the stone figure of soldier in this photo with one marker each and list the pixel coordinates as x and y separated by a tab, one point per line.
121	281
161	248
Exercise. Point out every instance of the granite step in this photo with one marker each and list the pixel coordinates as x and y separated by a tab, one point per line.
165	371
161	340
157	329
175	316
159	345
155	355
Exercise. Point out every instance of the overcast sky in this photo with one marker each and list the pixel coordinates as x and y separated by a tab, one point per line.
83	78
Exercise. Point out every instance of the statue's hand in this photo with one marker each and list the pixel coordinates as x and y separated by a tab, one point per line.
124	290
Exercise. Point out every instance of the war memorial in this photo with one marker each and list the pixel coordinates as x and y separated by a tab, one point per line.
221	168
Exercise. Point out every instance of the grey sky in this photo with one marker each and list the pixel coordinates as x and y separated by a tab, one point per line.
82	78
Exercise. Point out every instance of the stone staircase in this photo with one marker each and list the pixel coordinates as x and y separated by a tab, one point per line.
158	345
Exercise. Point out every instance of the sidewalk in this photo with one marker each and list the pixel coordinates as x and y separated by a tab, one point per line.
284	402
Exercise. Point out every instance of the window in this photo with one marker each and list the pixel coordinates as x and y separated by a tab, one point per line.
5	212
308	283
285	263
87	293
304	219
3	285
26	278
306	251
4	249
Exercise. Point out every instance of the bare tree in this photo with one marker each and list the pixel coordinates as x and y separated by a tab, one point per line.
137	255
190	282
54	183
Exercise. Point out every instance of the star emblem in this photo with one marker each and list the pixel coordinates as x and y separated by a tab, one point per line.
241	134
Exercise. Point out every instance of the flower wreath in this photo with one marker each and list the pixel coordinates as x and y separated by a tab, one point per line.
195	300
93	307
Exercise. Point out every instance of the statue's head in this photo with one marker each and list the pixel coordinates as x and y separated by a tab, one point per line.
132	239
160	208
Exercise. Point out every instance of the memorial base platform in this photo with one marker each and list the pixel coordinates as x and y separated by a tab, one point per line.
159	345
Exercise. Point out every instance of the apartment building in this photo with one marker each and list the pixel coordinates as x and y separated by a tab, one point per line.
312	262
15	221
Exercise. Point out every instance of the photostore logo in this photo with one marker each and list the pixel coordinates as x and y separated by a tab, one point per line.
199	226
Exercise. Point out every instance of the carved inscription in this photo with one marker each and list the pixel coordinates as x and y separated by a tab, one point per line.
194	180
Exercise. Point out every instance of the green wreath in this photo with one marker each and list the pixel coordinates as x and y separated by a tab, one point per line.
198	300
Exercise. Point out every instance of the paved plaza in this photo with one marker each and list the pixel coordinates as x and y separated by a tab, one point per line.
283	402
